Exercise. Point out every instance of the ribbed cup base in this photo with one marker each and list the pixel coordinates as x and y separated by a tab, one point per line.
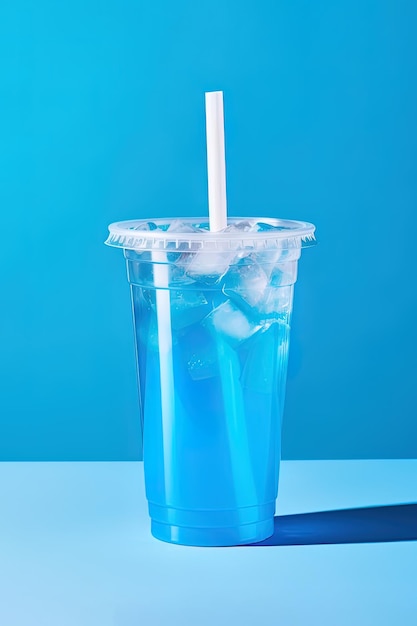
212	528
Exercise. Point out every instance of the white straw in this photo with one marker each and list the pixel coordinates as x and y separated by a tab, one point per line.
216	161
234	406
166	367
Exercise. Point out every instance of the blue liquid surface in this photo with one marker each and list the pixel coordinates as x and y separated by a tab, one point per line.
212	373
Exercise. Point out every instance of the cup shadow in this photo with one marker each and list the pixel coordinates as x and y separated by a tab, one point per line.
375	524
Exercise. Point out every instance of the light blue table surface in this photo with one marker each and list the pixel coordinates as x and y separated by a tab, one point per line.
76	550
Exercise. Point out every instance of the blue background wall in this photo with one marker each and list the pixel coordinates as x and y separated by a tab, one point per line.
102	118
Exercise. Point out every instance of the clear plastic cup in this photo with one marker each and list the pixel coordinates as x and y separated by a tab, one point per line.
212	316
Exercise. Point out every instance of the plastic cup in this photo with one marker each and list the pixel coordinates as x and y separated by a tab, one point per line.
212	315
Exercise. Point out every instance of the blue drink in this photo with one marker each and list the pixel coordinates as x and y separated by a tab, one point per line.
212	337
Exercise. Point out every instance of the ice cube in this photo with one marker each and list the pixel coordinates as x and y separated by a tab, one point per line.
265	359
264	227
278	262
245	283
246	226
144	226
181	227
198	350
284	274
183	246
209	266
187	308
248	286
276	302
276	251
178	269
232	323
243	248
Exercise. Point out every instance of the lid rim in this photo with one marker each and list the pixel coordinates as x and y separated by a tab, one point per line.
290	229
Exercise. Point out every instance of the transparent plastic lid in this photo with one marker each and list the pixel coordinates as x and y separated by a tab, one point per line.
192	233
